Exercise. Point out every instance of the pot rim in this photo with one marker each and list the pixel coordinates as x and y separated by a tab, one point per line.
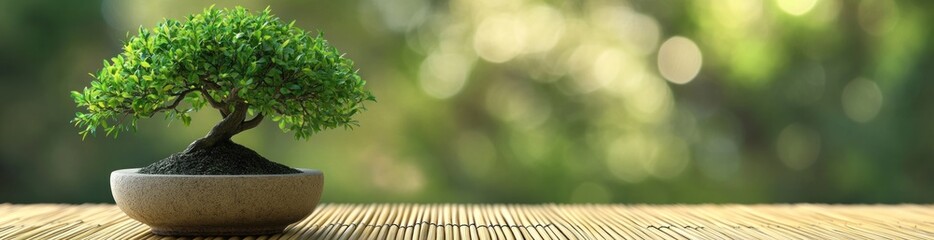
135	172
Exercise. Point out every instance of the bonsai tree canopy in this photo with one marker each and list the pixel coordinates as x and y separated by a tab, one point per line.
247	67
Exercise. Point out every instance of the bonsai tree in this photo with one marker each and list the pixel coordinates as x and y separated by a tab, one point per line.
247	67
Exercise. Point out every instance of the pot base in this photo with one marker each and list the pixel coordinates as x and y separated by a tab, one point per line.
216	205
216	231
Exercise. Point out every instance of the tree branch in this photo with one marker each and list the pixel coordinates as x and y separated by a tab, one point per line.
249	124
232	98
211	85
178	99
224	107
214	103
223	130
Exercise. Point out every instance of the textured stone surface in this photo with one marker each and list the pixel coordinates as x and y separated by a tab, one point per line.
216	204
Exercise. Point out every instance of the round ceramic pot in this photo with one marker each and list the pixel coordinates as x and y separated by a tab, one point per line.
216	205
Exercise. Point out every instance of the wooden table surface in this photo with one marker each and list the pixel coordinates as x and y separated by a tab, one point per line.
547	221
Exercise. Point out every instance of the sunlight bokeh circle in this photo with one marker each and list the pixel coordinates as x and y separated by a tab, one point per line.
679	60
796	7
862	100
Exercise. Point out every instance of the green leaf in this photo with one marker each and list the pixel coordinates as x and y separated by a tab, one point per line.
144	64
186	119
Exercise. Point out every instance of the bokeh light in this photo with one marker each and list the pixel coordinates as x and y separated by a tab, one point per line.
796	7
500	38
878	16
740	14
679	60
862	100
444	73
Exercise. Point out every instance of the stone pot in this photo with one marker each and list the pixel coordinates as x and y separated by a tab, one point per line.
216	205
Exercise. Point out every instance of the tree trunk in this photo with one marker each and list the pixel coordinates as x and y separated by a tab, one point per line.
231	125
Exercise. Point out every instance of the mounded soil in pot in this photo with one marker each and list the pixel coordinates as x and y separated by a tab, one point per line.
224	158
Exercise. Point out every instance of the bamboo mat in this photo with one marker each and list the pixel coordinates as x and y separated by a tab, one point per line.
549	221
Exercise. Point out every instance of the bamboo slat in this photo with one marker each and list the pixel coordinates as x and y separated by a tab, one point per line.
501	221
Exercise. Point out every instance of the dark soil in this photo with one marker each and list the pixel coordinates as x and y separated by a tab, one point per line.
224	158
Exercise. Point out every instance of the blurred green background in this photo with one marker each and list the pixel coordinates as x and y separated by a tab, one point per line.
745	101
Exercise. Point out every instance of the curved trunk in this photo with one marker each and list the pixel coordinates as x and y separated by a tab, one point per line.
232	124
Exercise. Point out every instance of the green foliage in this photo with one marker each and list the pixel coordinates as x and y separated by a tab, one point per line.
279	70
